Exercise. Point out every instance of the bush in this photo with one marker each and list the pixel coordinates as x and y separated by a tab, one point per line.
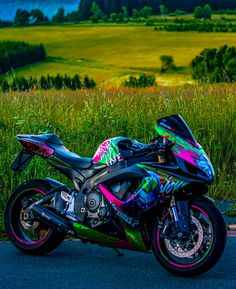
4	85
149	23
15	54
94	19
167	63
213	65
143	81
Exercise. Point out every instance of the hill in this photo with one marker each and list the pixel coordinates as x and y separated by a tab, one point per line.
110	54
49	7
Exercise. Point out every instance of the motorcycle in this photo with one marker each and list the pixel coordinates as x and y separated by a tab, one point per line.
130	195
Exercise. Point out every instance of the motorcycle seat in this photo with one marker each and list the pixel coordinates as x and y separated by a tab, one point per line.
48	138
72	159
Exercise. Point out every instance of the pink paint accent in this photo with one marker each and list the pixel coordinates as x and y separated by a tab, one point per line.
204	213
30	243
183	266
131	197
101	151
96	159
110	197
33	242
187	155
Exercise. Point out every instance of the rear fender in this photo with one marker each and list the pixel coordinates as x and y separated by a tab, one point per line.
22	161
54	184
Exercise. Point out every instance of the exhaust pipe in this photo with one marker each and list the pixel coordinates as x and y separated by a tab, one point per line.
51	219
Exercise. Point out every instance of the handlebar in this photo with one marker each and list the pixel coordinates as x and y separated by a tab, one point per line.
148	148
159	146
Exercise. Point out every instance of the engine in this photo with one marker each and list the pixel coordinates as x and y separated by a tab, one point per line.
97	209
90	207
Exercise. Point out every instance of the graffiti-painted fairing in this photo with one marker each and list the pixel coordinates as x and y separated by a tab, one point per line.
187	151
110	151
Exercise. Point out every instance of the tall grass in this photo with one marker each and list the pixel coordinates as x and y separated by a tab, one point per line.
83	119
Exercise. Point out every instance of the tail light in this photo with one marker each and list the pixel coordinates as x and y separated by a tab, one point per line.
37	148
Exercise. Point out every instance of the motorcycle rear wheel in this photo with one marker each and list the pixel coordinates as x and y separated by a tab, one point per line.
30	237
203	248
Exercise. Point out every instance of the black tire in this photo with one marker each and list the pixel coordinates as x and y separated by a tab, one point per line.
16	231
168	260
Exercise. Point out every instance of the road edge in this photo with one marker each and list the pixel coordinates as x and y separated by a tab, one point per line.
231	227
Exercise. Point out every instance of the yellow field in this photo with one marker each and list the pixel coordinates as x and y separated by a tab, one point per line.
110	53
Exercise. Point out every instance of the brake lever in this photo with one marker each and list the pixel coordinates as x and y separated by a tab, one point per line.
166	144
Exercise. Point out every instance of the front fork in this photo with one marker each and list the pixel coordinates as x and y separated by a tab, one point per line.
181	215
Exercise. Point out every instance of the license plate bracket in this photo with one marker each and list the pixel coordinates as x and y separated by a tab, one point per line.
21	161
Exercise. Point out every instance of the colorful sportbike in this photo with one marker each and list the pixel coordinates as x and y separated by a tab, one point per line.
143	197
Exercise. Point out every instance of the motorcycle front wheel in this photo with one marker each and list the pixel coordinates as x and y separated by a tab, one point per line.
200	250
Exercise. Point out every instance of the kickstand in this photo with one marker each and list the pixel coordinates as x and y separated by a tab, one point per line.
118	252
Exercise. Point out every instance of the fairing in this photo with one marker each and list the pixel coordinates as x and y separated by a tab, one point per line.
188	153
179	127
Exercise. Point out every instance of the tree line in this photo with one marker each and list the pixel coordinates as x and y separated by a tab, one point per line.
196	24
37	17
115	6
57	82
14	54
121	11
4	23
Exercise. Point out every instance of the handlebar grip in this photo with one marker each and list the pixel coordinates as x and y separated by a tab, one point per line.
140	151
148	148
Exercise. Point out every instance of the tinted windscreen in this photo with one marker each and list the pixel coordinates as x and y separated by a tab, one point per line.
177	125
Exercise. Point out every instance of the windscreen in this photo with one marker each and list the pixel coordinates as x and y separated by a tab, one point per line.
178	126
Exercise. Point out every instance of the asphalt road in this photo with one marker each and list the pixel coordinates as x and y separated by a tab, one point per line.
75	265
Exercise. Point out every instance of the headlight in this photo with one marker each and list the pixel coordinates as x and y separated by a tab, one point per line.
205	165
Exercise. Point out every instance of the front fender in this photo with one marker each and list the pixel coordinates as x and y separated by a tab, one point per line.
207	199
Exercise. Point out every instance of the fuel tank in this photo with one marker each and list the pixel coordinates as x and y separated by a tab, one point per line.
112	150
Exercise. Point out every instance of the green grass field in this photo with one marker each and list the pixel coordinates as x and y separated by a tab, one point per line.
110	54
83	119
